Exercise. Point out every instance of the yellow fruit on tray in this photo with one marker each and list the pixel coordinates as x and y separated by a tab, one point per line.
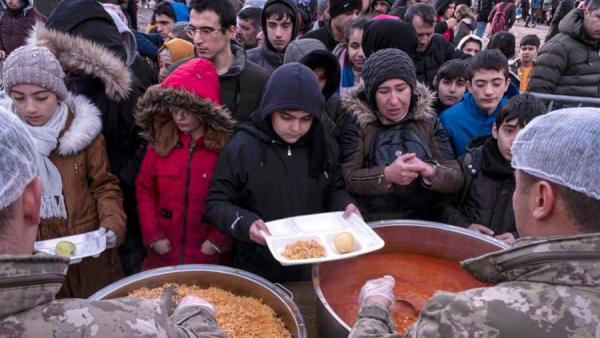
344	242
65	249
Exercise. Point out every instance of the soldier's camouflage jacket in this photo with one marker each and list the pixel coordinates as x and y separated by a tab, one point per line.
544	288
28	309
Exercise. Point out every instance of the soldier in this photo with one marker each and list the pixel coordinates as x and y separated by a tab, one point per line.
29	282
546	286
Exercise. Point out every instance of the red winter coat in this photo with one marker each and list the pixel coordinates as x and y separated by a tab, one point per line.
170	195
14	29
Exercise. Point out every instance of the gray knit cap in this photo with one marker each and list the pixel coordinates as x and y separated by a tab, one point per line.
297	49
385	64
562	147
36	66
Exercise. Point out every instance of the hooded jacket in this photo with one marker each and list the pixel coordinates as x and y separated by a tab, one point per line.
266	55
568	64
182	12
543	287
92	195
368	146
176	171
260	176
28	285
16	24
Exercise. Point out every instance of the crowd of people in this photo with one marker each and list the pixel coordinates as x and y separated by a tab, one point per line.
179	140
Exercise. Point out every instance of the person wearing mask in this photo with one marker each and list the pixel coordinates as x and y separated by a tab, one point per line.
432	50
17	18
26	306
279	21
340	13
248	26
391	160
546	284
79	194
280	165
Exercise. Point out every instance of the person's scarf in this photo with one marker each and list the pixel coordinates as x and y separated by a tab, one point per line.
46	140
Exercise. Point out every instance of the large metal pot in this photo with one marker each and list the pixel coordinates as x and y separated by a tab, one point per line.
401	236
237	281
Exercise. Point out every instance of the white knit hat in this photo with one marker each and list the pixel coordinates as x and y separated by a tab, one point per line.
36	66
562	147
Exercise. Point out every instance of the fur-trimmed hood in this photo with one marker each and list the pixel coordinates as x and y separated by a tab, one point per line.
84	57
158	128
83	124
355	103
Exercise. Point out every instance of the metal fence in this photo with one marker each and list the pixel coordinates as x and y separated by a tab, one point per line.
555	102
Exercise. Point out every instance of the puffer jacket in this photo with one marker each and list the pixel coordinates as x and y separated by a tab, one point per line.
92	196
260	176
568	64
546	287
15	25
175	176
367	146
486	197
28	285
429	62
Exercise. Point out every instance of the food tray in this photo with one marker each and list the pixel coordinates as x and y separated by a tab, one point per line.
322	228
86	245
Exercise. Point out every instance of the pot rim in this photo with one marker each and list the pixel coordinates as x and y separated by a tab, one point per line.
275	288
402	223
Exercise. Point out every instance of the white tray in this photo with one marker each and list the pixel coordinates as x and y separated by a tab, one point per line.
86	245
322	228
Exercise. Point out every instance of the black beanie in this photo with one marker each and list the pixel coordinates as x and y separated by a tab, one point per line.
388	33
440	5
339	7
384	65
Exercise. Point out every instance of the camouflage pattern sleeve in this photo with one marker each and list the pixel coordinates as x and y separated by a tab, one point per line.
374	321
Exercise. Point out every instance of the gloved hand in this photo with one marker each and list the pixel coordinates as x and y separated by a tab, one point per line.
195	300
111	237
381	290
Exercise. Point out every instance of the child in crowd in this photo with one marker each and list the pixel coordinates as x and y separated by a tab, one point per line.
523	65
186	128
450	84
172	51
470	44
350	54
466	22
79	194
485	202
445	22
475	115
16	21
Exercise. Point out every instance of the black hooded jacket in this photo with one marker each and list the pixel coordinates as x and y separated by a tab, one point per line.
259	176
266	55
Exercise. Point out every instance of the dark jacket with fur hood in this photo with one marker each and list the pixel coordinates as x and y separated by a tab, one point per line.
368	146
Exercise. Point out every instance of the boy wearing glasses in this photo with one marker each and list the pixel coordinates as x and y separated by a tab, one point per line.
279	24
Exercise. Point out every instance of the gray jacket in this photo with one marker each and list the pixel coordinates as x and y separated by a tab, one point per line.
27	288
544	288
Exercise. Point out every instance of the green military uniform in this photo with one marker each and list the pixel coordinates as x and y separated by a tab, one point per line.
27	288
544	288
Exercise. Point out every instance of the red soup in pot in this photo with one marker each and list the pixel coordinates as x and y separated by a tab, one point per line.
418	277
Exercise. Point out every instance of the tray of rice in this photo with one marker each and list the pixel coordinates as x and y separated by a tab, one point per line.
320	238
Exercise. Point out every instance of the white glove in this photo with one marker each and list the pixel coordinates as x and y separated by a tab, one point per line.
111	237
195	300
382	287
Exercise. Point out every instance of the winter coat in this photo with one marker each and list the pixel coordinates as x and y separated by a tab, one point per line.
564	7
543	287
92	197
28	285
260	176
322	34
465	27
174	179
368	146
484	8
15	25
568	64
441	27
465	120
266	55
429	62
486	197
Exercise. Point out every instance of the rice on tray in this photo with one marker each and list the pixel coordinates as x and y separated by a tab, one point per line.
237	316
